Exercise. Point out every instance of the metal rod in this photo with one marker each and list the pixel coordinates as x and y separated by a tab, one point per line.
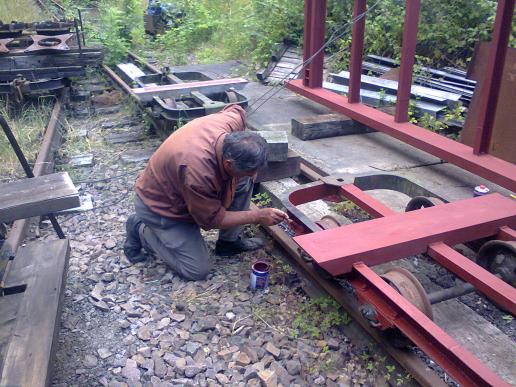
357	49
447	294
408	51
77	34
493	78
82	27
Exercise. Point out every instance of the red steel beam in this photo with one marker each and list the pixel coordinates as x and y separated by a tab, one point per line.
315	22
506	234
489	167
357	49
436	343
493	79
408	52
493	287
487	283
403	234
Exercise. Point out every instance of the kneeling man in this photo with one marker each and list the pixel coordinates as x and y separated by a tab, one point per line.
201	176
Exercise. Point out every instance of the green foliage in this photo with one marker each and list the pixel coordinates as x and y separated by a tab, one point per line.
318	316
222	30
262	199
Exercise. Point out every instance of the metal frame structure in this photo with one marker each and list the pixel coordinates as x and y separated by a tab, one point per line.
474	159
385	308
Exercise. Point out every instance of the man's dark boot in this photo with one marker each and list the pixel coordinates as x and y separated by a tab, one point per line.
225	248
132	244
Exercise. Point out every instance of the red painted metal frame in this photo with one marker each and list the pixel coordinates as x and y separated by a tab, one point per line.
489	167
393	310
457	361
357	49
408	51
491	85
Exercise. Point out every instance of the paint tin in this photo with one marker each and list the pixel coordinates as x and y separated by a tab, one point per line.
481	190
259	276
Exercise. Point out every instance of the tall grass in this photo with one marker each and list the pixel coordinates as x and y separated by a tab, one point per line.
21	10
28	125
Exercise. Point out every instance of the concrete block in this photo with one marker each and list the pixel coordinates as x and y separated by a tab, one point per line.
277	144
280	169
326	125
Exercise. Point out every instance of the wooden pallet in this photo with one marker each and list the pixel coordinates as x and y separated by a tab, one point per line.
30	313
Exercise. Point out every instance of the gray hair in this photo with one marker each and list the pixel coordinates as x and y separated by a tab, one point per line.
246	150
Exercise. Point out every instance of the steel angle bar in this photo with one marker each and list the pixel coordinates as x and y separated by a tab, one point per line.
146	94
457	361
375	98
390	87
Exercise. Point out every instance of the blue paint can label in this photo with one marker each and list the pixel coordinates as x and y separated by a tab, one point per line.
259	276
480	190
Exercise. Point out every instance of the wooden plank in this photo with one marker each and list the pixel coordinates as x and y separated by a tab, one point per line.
37	196
404	234
29	357
326	125
146	94
8	310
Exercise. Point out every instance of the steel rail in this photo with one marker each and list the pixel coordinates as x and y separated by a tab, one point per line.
42	166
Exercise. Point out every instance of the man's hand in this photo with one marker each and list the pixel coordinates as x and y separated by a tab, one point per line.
271	216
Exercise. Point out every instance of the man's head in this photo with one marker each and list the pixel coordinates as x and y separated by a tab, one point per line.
243	153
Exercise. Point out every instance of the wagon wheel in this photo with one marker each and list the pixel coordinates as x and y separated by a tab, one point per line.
499	258
419	202
405	283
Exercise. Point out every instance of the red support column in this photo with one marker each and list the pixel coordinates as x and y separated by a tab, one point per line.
491	85
408	51
357	48
315	20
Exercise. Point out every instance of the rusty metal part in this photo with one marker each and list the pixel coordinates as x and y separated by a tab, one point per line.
50	43
499	257
422	202
3	45
485	165
409	287
447	294
232	96
328	222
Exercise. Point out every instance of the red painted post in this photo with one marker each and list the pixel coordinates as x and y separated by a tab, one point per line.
357	48
408	51
315	12
493	79
307	51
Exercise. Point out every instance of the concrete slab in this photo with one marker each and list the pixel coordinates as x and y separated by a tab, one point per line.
277	144
84	160
137	155
326	125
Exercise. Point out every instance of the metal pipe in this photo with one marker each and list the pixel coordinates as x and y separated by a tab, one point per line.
82	27
357	49
408	51
447	294
493	78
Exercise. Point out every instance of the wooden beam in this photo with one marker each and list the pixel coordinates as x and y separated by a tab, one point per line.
29	357
37	196
401	235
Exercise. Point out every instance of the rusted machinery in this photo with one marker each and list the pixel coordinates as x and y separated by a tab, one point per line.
395	301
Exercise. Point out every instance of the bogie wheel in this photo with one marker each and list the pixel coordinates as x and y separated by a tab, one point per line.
419	202
499	258
405	283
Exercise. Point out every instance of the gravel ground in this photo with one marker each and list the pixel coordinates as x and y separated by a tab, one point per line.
141	325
